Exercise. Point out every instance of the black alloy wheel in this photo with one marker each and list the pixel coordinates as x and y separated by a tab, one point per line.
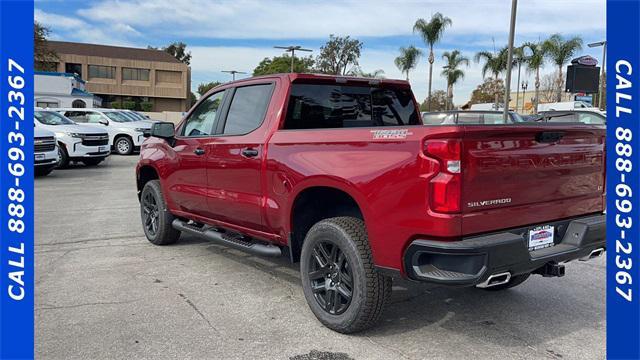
330	277
150	215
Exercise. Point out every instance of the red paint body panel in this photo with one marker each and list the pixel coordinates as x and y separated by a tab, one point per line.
388	178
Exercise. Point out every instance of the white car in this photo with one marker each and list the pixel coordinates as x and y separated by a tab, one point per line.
45	151
125	135
568	105
85	143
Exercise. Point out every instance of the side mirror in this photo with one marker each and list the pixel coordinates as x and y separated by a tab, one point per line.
104	122
163	130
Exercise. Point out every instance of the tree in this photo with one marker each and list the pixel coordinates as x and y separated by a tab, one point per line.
452	71
375	74
534	62
494	63
431	32
282	64
339	55
486	92
560	50
408	59
178	50
203	88
192	99
437	102
550	87
44	58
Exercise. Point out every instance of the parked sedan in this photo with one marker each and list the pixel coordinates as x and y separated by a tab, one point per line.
476	117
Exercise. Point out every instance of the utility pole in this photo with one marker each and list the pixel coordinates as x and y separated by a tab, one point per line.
512	31
602	67
233	73
292	49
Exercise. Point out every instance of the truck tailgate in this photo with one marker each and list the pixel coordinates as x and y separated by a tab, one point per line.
528	174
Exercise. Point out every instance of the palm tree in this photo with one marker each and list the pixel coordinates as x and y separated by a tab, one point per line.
534	62
452	72
431	32
408	59
494	63
560	50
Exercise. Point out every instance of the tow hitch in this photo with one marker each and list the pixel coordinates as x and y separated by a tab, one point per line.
551	269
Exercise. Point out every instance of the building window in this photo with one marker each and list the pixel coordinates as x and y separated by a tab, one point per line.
72	68
135	74
46	104
103	72
166	76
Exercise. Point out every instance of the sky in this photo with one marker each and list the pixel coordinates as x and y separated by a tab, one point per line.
237	35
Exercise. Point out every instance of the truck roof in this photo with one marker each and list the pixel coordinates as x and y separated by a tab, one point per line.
302	77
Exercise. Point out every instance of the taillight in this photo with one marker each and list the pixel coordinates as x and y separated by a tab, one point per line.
446	186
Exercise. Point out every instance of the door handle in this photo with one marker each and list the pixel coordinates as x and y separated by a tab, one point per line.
249	152
198	151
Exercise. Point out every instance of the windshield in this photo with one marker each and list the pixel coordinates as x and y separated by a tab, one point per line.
117	117
136	115
51	118
128	115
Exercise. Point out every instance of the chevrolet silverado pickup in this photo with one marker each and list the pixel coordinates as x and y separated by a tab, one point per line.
340	175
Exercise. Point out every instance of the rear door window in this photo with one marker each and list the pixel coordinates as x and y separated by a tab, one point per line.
77	116
248	108
316	106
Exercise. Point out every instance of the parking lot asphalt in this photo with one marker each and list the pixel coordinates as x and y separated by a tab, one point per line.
104	292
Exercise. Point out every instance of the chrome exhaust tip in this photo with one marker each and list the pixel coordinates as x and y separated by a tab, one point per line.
593	254
496	279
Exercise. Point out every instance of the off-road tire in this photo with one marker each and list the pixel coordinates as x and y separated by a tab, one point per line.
371	290
513	282
165	233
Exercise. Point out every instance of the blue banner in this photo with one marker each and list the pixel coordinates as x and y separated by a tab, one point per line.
623	180
16	180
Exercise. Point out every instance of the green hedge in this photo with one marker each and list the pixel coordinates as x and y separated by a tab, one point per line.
129	105
115	105
146	106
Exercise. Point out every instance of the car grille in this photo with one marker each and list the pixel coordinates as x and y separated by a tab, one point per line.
95	140
44	144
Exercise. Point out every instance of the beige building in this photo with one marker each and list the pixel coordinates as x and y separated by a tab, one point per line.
526	99
152	79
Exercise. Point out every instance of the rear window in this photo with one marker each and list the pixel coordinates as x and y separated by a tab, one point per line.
315	106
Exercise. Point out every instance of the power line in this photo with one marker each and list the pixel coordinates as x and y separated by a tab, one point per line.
233	73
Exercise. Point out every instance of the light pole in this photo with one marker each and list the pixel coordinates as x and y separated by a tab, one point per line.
292	49
525	85
602	67
512	31
233	73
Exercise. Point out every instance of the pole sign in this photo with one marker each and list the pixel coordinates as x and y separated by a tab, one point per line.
623	180
16	180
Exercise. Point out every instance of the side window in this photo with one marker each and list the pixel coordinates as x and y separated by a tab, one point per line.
469	118
77	116
202	120
93	118
589	118
492	119
248	108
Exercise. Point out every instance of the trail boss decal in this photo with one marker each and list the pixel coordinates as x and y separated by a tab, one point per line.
472	204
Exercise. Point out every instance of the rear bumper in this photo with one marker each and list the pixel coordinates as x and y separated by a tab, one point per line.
472	260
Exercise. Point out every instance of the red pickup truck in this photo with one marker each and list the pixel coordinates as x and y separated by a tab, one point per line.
340	174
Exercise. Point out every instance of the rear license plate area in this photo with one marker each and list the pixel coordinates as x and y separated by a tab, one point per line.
541	237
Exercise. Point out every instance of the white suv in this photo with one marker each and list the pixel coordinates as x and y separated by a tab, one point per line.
85	143
125	135
45	151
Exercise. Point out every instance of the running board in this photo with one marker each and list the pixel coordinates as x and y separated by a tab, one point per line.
228	239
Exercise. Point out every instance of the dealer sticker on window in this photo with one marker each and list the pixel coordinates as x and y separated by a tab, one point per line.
541	237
